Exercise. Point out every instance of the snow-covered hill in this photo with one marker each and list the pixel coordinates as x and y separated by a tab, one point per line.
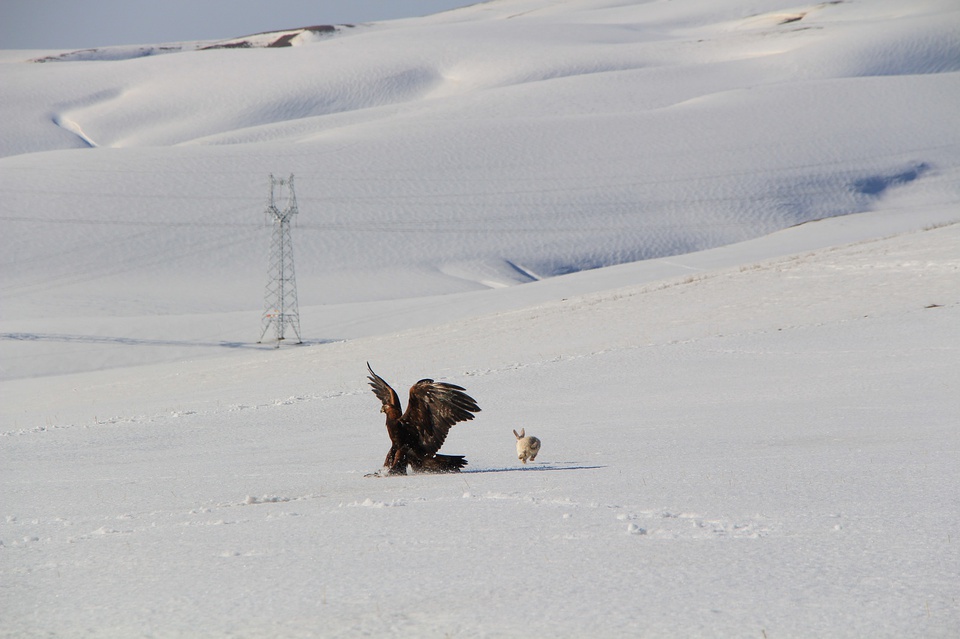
478	148
708	252
267	39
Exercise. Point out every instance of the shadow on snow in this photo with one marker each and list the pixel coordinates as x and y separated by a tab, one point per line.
138	341
524	469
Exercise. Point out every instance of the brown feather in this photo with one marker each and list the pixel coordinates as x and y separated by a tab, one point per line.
386	395
420	431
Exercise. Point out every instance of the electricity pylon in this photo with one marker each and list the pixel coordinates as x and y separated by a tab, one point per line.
280	299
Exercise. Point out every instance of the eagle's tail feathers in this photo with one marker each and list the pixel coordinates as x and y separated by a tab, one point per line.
444	464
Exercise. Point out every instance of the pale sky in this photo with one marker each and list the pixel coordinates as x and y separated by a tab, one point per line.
79	24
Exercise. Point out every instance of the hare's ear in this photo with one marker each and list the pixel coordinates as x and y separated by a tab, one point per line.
515	434
523	433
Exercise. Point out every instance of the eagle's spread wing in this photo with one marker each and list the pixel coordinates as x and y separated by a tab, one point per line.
382	390
433	408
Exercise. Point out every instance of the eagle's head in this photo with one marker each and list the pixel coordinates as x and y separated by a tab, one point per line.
384	408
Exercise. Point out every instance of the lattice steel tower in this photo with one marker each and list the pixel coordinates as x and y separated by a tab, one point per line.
280	299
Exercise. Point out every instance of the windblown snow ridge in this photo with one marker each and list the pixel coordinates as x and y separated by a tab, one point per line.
265	40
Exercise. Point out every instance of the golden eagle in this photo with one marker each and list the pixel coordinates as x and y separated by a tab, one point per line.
417	434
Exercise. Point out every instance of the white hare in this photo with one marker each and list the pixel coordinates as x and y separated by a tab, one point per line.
527	446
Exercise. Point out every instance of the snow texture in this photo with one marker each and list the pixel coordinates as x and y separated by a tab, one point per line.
708	251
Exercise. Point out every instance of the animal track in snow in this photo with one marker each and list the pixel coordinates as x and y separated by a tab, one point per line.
670	525
371	503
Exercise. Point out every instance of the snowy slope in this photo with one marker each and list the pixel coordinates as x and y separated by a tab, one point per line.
770	449
708	252
481	147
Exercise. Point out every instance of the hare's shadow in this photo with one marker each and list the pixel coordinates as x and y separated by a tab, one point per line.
530	468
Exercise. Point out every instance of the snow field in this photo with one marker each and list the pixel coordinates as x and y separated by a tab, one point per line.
696	477
750	432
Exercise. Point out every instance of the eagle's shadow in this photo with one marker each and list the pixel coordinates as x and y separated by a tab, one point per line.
529	468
